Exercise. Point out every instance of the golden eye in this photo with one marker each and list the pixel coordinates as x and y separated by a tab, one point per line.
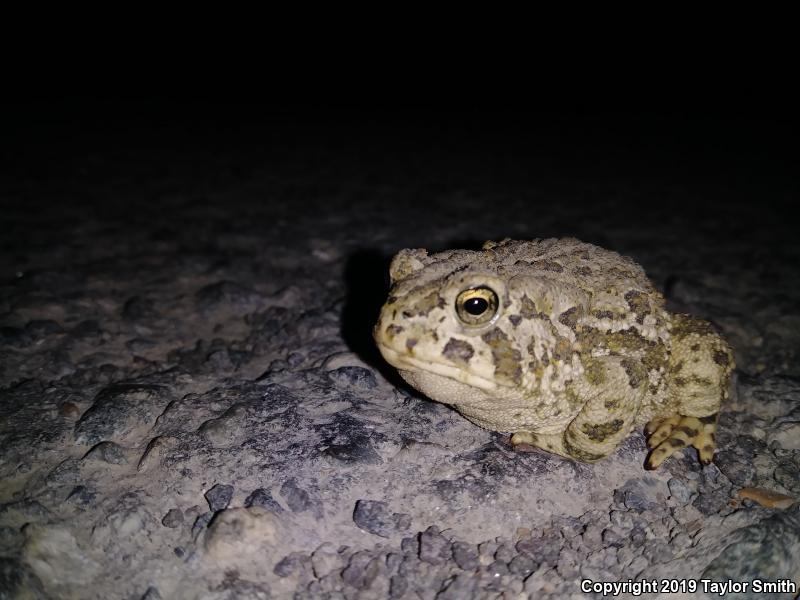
477	306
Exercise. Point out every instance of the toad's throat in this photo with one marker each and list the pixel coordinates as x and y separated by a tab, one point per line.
404	362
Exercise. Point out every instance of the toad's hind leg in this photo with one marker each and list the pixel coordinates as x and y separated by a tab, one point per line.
611	396
701	363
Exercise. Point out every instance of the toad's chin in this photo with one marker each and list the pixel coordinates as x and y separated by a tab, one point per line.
439	381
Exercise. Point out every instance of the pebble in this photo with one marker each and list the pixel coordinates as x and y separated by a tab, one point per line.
324	559
434	548
398	586
463	585
219	496
108	452
354	376
362	569
497	568
263	498
119	409
173	518
638	494
82	496
375	517
505	552
466	555
291	564
679	491
522	565
201	522
297	499
710	502
152	593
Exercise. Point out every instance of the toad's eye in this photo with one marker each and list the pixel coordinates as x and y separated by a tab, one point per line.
476	306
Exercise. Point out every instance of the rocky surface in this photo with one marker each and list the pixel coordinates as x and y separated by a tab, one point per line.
191	405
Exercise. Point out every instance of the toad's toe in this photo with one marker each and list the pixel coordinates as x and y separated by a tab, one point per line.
673	434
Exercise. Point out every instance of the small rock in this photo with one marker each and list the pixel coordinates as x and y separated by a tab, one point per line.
82	496
463	585
291	564
173	518
736	467
497	568
118	410
638	494
410	545
637	536
522	565
324	560
362	569
398	585
466	556
375	517
393	560
236	532
679	491
621	519
613	537
151	594
504	553
297	498
354	376
219	497
201	522
263	498
360	451
710	502
108	452
434	548
569	526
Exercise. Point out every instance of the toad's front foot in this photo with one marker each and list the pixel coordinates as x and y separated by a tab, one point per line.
668	436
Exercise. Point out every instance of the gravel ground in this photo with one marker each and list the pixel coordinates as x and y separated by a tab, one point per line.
191	405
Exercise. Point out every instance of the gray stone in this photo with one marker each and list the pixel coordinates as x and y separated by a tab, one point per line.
638	494
466	556
434	548
108	452
292	564
362	569
768	550
522	565
219	496
463	585
201	522
118	410
297	499
710	502
263	498
398	586
151	594
173	518
375	517
679	491
354	376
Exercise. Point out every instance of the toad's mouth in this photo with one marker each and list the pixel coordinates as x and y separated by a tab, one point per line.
404	362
